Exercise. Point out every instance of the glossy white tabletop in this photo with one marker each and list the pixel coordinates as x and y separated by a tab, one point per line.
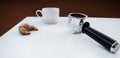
58	41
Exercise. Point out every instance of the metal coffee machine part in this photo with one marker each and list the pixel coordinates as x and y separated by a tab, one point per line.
75	21
77	24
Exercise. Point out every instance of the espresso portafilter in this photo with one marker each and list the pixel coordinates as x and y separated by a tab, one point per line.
77	24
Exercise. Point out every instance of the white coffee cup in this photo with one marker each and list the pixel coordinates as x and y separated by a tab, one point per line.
50	15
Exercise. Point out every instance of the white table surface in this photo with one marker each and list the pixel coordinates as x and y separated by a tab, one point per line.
58	41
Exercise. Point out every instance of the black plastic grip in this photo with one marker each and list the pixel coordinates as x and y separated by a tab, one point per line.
104	40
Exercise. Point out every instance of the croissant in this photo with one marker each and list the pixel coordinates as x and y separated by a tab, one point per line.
25	29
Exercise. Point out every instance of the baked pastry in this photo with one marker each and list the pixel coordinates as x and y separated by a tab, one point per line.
25	29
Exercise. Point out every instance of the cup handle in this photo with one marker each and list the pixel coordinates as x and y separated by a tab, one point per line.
37	13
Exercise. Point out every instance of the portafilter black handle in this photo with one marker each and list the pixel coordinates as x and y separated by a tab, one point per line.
107	42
